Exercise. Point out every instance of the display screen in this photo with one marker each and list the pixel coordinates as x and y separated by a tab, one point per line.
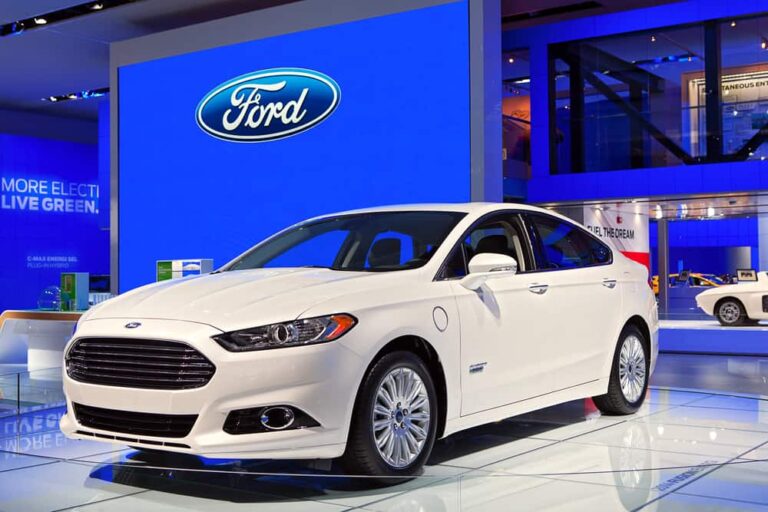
220	148
50	217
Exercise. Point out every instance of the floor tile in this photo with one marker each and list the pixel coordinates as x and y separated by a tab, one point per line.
734	402
11	461
673	397
735	419
479	492
52	486
484	445
746	481
679	502
180	502
715	441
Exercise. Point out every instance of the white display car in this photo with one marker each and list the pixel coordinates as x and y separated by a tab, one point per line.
737	304
367	335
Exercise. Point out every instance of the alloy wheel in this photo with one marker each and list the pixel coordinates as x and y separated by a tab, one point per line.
730	312
401	417
632	371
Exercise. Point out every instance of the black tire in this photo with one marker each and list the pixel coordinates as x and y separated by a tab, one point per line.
614	402
731	312
361	456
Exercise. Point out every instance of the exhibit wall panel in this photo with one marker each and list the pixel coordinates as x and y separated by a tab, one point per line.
50	216
399	134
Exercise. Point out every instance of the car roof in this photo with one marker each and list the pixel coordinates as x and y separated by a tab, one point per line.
478	208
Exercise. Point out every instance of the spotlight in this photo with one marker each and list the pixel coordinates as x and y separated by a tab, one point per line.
733	23
710	211
97	6
72	96
40	21
52	99
763	43
653	39
659	212
511	60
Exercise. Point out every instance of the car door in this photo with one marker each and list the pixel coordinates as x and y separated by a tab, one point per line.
502	322
585	298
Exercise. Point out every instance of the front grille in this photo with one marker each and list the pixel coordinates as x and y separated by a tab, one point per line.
137	423
138	363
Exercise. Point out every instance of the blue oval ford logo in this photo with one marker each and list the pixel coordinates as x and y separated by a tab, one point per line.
268	105
132	325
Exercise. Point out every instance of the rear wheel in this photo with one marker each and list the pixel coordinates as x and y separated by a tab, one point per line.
629	374
731	312
395	419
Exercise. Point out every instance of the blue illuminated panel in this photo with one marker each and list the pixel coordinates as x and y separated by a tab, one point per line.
50	216
399	134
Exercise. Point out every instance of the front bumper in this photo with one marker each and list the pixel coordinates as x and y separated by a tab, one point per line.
320	380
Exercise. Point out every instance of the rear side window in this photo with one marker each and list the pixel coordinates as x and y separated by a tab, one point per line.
561	244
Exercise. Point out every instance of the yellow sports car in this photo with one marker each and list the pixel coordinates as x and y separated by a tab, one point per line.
695	280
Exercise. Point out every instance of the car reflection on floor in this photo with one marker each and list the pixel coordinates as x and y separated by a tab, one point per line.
683	450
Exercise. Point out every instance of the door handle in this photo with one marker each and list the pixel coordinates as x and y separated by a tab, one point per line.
609	283
538	289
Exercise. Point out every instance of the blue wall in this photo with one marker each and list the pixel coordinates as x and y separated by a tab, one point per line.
400	134
37	242
706	245
692	179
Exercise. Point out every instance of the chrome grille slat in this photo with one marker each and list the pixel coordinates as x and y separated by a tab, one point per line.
85	359
138	363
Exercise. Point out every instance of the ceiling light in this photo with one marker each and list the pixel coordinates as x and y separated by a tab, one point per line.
40	21
81	95
710	211
653	39
511	60
659	212
97	6
733	23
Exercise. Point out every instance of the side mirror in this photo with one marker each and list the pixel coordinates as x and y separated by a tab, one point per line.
488	266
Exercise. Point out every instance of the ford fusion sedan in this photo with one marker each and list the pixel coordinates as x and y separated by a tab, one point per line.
366	336
745	303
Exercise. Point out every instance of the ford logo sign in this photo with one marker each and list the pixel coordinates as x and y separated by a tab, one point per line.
132	325
268	105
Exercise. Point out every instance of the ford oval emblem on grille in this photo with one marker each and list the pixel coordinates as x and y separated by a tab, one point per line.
268	105
132	325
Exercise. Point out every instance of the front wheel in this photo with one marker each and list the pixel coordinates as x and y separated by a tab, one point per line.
629	374
731	312
394	423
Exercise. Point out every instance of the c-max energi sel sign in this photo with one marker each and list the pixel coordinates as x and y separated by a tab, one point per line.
268	105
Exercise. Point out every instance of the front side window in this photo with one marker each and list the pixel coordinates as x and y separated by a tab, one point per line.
500	234
564	245
372	242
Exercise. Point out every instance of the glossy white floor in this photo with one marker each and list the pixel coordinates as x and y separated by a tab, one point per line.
685	450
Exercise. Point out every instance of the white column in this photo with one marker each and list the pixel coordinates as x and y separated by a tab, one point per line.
486	181
762	237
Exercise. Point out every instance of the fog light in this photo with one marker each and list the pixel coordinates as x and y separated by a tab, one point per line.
267	419
277	418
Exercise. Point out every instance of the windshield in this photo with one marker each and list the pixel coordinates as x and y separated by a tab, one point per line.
372	242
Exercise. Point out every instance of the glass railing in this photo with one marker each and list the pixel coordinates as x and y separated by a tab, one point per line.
26	391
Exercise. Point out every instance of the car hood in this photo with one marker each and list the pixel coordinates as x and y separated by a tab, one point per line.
238	299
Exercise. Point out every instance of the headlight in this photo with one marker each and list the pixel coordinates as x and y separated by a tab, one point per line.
288	334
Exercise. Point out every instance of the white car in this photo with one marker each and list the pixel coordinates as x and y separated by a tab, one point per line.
737	304
367	335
